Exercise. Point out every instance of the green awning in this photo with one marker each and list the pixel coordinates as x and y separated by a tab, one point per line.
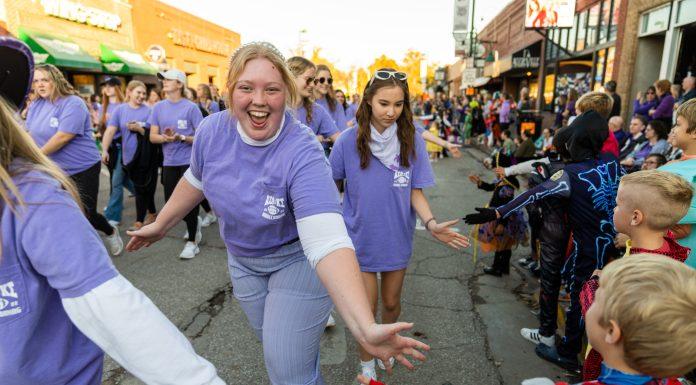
124	61
59	51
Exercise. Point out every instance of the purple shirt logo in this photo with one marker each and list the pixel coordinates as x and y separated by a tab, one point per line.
402	178
274	208
9	299
181	124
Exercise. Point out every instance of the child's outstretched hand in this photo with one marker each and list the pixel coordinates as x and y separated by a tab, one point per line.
484	215
475	179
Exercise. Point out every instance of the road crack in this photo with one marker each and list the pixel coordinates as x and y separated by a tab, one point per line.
202	316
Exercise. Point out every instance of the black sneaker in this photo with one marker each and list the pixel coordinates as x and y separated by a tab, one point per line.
550	354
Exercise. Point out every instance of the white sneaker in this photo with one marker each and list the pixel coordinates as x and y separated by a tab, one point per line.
190	251
199	234
367	369
114	223
533	336
331	322
381	364
208	219
115	242
419	224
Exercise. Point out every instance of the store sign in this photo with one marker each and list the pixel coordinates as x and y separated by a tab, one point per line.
469	76
189	40
61	46
130	56
460	25
156	54
68	10
526	60
549	14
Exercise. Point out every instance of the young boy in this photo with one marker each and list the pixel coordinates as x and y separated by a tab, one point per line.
648	204
588	183
685	137
642	322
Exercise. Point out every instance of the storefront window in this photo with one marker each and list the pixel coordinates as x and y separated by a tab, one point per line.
573	35
604	21
557	42
656	20
84	84
599	70
686	11
564	39
549	83
608	71
614	27
592	25
582	31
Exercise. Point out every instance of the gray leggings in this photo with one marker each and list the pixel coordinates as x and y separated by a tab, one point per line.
287	306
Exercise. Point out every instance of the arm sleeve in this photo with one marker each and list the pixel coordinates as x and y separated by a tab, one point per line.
194	174
122	321
153	119
115	119
322	234
311	187
72	268
486	186
558	185
423	176
196	116
664	107
72	117
327	127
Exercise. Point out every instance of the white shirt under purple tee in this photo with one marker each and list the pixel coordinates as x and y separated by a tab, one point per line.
377	203
183	117
259	191
38	342
322	123
338	114
68	114
120	118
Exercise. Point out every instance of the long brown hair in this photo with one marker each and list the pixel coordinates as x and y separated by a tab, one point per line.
105	106
61	86
405	130
299	65
330	98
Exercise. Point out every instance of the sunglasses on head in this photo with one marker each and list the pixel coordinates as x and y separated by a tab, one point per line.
384	75
322	80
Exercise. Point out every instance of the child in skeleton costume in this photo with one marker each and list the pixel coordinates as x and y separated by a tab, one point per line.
588	181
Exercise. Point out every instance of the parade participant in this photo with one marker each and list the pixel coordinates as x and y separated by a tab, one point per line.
153	97
205	99
112	97
324	96
289	253
385	167
642	322
648	204
588	183
173	122
504	234
685	139
352	110
216	97
308	112
59	123
62	299
130	119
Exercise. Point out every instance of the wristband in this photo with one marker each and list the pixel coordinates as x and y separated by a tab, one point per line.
182	138
428	222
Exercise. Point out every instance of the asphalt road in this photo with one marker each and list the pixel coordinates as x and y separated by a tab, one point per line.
471	321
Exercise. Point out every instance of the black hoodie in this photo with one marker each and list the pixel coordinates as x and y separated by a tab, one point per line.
583	139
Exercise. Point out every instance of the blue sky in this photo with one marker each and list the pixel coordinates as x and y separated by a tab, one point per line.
350	33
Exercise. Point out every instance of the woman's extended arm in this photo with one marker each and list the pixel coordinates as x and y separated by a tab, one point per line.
440	231
57	141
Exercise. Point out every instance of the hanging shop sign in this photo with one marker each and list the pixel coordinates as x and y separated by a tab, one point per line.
525	60
68	10
190	40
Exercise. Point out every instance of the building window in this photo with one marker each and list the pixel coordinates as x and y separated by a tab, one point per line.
604	21
686	11
614	27
573	35
593	25
549	83
609	67
582	32
599	69
564	39
654	21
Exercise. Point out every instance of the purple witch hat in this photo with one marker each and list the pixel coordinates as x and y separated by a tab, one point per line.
16	70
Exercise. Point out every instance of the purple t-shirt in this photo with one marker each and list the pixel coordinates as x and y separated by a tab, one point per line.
258	192
321	124
338	115
38	343
212	108
183	117
120	118
68	114
351	111
109	112
377	203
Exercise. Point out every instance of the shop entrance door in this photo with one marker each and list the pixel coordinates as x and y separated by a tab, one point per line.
647	67
686	61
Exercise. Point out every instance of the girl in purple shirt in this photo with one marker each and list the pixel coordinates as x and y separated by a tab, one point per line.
643	106
59	122
308	112
61	299
173	122
324	96
288	250
385	167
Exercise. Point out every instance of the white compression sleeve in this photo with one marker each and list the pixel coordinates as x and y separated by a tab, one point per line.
524	167
322	234
193	180
122	321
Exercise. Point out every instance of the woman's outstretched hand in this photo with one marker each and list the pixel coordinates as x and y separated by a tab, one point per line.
145	236
384	341
443	233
